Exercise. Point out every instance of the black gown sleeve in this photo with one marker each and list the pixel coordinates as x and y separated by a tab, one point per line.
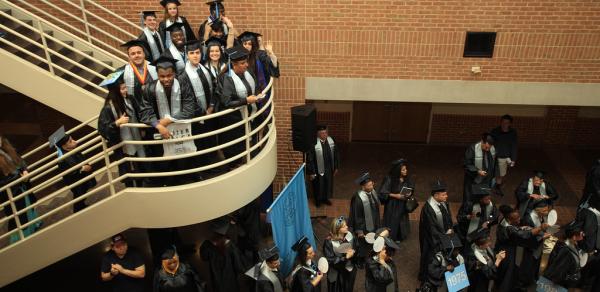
163	33
385	190
193	276
188	101
356	219
558	265
465	210
336	156
521	192
264	286
469	162
270	68
146	105
436	270
339	262
107	127
551	192
381	275
227	94
311	163
588	244
189	33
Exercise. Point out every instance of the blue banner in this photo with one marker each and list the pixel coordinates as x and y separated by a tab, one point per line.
545	285
290	220
458	279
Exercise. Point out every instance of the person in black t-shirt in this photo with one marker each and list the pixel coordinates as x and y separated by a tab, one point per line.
123	267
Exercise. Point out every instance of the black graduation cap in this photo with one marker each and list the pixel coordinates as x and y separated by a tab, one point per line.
58	138
176	26
540	203
193	45
214	41
168	254
478	234
450	241
487	137
112	79
363	178
117	238
399	161
539	174
438	186
213	2
164	3
147	13
269	254
573	228
321	127
479	191
248	35
237	53
164	62
135	43
220	225
390	243
301	244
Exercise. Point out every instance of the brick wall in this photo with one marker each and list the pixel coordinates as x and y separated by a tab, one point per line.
538	40
338	124
587	133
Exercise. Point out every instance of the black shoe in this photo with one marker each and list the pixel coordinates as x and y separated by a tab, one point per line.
327	202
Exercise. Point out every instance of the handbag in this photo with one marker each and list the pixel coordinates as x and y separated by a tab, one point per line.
411	204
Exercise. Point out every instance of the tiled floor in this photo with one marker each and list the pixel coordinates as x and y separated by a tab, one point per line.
566	170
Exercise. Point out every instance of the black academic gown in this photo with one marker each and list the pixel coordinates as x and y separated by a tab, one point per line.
465	210
472	176
263	284
112	134
524	203
225	265
590	244
508	239
227	98
301	281
438	266
76	175
185	279
147	50
323	184
207	125
395	216
592	183
563	268
480	273
430	233
341	280
530	267
137	87
377	277
189	34
358	225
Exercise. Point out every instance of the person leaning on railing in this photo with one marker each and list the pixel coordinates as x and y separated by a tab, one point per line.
12	167
119	109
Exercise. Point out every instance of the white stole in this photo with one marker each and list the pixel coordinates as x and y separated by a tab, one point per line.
240	88
129	76
192	73
319	154
438	213
154	49
180	64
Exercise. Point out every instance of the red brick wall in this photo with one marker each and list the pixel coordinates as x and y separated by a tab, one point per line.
338	124
538	40
587	133
560	124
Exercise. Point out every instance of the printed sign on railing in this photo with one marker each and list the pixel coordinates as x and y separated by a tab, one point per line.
179	129
457	279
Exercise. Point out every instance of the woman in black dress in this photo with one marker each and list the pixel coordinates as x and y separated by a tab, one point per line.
305	276
395	215
338	249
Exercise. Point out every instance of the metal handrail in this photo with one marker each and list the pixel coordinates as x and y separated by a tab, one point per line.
104	155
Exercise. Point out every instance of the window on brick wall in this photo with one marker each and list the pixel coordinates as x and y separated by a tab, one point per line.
479	44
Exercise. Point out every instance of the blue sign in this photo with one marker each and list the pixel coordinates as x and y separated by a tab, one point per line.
545	285
457	279
290	220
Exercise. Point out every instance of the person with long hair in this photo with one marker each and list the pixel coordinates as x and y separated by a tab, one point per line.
13	167
305	276
338	249
395	189
172	16
119	109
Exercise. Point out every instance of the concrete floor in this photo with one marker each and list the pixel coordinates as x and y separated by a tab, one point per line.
566	169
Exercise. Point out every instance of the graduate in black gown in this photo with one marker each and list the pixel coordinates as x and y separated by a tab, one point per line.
224	259
137	72
445	260
592	184
236	87
479	165
177	50
65	144
172	16
392	196
119	109
534	189
322	163
266	272
589	218
566	258
481	261
532	255
339	249
364	215
201	81
510	237
306	277
380	272
435	222
151	36
479	213
175	276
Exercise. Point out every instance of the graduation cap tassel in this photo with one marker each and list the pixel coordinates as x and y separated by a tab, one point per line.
229	66
217	6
